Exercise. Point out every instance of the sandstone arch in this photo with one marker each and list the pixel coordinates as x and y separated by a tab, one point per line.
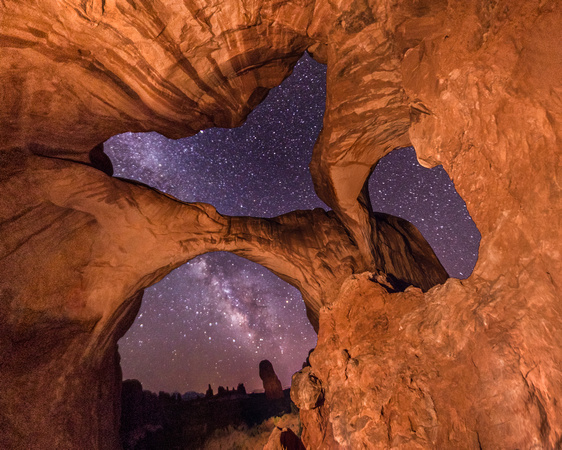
474	87
107	240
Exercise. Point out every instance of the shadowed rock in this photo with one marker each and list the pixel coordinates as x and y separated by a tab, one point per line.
475	86
271	384
283	439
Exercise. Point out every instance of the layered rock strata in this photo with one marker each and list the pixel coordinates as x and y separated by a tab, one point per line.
74	74
473	85
80	241
471	364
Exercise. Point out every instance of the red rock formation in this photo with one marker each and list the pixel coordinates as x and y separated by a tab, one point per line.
474	363
407	369
473	85
306	390
73	75
271	384
67	251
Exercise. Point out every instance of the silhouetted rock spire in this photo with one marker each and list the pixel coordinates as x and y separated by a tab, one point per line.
271	384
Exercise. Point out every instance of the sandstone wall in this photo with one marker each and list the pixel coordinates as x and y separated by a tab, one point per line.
473	85
77	243
473	363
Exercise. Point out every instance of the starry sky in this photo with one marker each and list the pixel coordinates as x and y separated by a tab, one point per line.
215	318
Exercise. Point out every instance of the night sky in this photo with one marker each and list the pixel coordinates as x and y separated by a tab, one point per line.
215	318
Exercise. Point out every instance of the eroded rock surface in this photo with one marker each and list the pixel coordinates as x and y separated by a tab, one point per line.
75	74
404	369
475	86
79	242
472	364
306	390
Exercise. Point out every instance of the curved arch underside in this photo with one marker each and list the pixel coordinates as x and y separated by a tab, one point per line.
474	87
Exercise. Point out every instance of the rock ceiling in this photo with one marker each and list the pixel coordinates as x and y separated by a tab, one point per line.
473	86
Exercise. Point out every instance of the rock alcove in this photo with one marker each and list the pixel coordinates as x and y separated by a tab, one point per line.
473	86
178	331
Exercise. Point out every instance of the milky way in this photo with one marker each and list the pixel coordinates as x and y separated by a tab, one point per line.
215	318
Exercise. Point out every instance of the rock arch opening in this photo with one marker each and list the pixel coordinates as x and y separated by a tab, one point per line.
400	186
258	169
473	85
212	321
